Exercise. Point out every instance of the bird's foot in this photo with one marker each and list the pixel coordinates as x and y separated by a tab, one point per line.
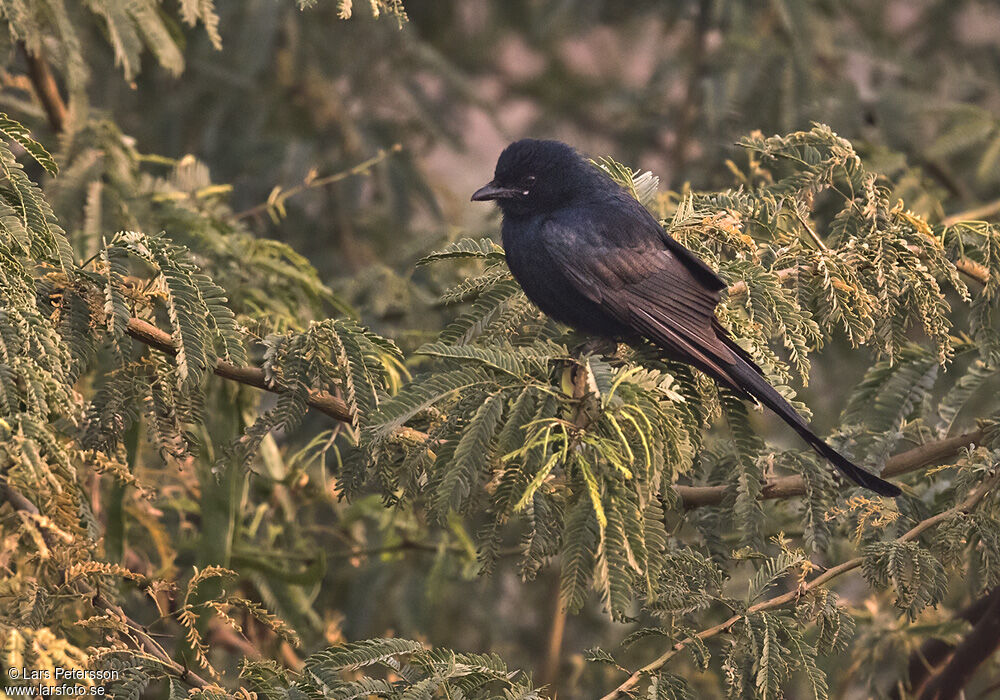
595	346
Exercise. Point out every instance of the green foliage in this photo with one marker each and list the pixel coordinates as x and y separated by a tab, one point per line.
13	131
669	687
582	468
917	576
415	673
887	266
65	325
108	185
890	394
134	479
641	185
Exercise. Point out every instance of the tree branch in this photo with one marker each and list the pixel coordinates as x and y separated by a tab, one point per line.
322	401
934	651
966	506
46	89
977	647
407	545
278	196
548	675
977	214
691	496
552	661
740	288
787	486
977	271
694	96
149	645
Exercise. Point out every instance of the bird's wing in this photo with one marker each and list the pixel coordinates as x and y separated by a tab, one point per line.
625	266
706	275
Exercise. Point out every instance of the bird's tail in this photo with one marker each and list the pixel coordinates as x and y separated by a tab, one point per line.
746	375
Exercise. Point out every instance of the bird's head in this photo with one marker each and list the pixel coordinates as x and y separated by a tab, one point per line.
535	176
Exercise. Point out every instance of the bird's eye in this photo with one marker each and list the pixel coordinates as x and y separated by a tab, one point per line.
528	182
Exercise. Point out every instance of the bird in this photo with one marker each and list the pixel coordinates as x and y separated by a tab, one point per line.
591	256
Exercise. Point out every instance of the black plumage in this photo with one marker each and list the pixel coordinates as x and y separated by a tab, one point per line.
591	256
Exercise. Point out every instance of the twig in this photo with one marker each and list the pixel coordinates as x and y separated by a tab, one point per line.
549	674
740	288
322	401
977	271
408	545
966	506
551	663
226	636
149	645
787	486
16	498
278	196
810	230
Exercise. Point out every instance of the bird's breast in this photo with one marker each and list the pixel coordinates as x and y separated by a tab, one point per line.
546	286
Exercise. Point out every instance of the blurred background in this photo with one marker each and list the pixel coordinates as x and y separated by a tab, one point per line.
667	86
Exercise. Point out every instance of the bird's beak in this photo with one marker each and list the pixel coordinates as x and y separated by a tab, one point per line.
491	191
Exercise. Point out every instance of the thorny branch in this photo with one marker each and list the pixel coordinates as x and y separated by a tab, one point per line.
691	496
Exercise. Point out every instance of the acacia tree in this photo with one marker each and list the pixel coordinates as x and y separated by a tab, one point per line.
156	357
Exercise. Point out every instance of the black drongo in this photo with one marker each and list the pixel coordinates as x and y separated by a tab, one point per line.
591	256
